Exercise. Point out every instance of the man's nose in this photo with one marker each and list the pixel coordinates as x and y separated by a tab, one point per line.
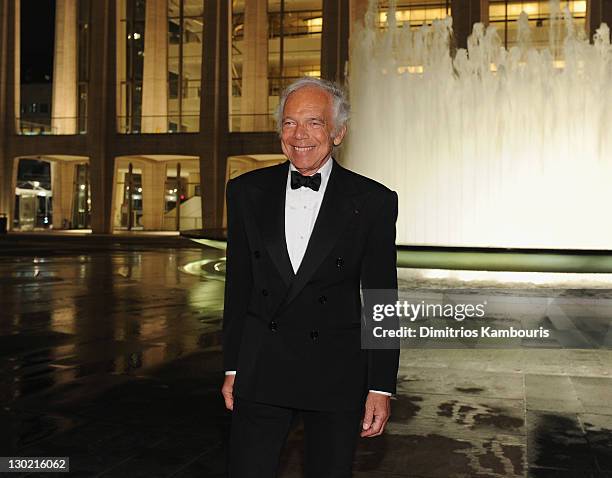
300	131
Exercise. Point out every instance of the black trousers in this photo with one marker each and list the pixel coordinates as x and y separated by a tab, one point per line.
259	431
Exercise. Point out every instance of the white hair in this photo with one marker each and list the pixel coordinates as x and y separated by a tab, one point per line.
340	106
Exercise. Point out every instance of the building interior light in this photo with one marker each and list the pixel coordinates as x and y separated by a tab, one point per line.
533	9
314	24
416	15
410	69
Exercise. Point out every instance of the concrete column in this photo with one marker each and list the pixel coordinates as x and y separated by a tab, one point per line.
214	111
155	70
101	127
120	163
153	192
192	179
121	39
65	79
254	99
465	13
63	188
598	12
4	158
9	101
334	41
14	65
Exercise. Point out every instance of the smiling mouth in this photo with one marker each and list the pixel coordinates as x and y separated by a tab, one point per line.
302	149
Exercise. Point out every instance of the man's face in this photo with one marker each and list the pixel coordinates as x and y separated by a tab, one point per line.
307	129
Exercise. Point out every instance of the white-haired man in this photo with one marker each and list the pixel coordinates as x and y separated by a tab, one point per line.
302	237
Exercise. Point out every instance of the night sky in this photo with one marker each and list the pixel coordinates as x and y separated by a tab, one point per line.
37	37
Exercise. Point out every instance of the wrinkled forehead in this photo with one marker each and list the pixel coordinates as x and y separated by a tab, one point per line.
309	100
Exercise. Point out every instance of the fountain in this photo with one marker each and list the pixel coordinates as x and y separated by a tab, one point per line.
490	147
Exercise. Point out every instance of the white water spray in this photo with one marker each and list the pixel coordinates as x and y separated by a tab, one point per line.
494	147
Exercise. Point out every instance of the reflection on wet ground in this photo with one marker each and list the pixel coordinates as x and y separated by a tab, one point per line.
112	357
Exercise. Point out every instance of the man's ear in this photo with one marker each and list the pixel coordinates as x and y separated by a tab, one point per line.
340	136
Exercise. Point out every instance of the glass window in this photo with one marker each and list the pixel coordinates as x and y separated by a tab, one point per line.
82	198
504	14
130	201
169	55
83	45
185	38
37	37
130	52
416	13
295	32
33	195
54	66
184	190
273	43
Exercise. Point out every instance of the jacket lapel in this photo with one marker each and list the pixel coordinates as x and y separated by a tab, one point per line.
272	210
335	213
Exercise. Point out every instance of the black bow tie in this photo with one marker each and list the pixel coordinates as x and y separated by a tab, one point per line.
313	182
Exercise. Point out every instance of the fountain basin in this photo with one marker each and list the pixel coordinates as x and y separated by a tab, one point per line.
470	258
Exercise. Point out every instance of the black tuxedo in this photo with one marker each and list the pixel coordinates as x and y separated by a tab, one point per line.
294	339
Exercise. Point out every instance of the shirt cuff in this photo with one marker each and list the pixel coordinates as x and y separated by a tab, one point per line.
376	391
230	372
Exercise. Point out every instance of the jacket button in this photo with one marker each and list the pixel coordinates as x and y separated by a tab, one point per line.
339	262
273	326
314	335
264	292
256	254
322	299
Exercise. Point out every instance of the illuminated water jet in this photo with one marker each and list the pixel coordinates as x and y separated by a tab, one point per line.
491	147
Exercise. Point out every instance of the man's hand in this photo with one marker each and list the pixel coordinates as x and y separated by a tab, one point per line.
377	412
227	390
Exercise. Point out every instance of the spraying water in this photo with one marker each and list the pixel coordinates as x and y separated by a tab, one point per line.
491	147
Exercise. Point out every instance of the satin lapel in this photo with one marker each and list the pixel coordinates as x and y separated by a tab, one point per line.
272	214
334	215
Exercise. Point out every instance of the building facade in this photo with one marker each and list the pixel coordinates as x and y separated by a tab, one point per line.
155	104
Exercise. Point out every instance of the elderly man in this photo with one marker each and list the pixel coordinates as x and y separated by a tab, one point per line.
302	237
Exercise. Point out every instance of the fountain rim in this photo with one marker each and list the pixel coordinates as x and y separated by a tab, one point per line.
470	258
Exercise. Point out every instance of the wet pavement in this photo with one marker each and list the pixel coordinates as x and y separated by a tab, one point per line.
110	356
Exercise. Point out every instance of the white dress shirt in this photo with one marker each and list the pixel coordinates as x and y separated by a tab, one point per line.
301	210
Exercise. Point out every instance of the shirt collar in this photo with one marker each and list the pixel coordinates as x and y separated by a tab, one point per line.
325	171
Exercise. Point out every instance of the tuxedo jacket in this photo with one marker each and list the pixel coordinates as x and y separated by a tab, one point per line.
294	339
